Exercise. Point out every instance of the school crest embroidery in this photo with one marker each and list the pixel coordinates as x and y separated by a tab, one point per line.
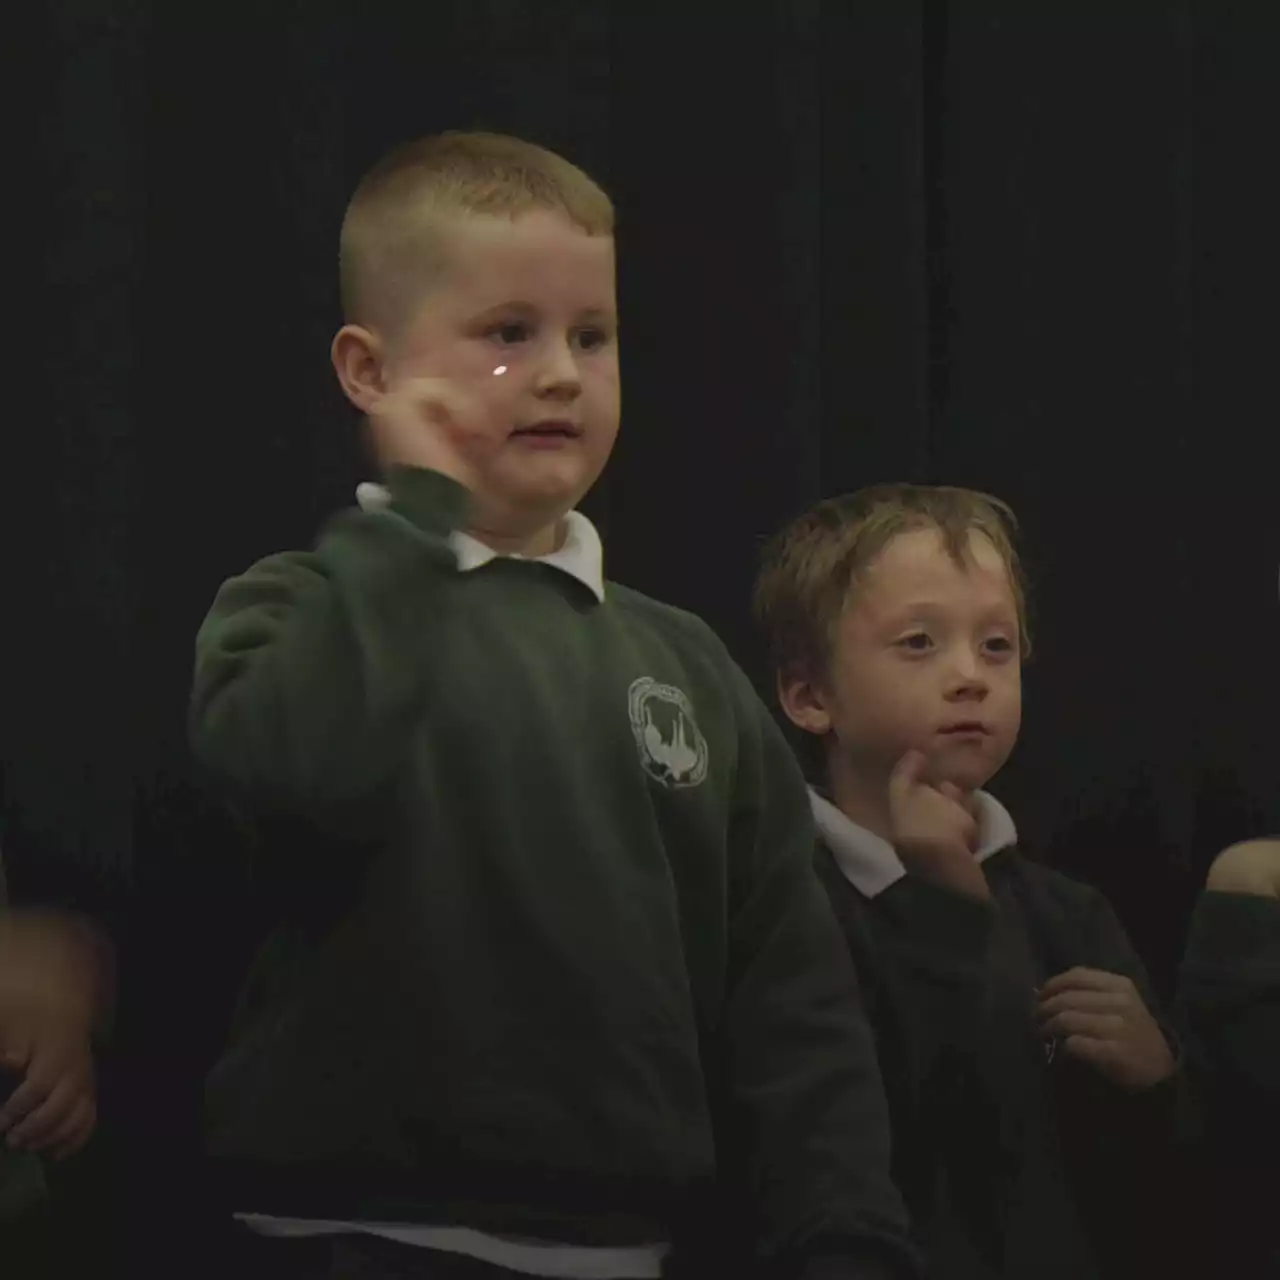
672	748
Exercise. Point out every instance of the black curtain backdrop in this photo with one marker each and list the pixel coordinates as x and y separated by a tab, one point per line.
1026	247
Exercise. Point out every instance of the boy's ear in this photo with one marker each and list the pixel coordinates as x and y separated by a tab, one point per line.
802	699
358	360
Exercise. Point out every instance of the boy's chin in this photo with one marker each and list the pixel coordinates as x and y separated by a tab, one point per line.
543	500
966	775
522	518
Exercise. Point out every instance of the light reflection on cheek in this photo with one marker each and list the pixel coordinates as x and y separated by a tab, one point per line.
500	370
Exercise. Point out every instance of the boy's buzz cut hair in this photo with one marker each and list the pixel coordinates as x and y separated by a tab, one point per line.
388	244
812	567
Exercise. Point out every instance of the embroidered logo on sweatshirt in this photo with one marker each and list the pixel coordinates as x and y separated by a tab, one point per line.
672	748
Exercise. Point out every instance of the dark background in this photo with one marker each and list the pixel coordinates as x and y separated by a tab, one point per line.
1023	246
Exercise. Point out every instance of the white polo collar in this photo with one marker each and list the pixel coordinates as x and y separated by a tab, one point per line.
870	863
580	555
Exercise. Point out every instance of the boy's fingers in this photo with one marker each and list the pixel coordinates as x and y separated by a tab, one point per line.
75	1131
907	773
1081	979
13	1058
1096	1026
1100	1053
38	1128
1083	1002
435	398
22	1101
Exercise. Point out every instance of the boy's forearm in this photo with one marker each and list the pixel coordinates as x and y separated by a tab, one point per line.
308	668
67	952
100	965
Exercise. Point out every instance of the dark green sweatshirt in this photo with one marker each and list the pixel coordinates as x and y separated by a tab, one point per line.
1015	1160
550	937
1230	994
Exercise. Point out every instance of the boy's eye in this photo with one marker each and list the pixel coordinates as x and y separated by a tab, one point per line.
918	642
1001	644
510	331
592	339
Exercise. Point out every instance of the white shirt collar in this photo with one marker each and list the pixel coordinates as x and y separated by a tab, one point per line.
871	865
580	555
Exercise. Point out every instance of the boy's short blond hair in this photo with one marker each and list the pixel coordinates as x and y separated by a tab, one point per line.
812	567
389	246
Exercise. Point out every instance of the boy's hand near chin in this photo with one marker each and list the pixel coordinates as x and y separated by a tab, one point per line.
934	827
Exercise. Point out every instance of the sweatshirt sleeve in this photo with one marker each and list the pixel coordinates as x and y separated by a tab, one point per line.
1230	990
310	666
1230	1000
807	1114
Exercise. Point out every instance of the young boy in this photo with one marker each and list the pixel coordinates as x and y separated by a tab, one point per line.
1230	992
1027	1077
550	946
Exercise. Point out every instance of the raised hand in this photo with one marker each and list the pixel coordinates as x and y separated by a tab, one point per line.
435	424
934	827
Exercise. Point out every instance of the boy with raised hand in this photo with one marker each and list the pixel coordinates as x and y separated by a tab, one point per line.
1028	1080
551	960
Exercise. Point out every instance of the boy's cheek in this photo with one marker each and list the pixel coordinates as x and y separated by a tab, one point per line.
462	358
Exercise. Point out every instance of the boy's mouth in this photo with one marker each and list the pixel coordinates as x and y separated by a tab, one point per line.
965	729
551	429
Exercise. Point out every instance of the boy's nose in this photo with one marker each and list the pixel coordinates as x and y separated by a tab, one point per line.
967	679
560	372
